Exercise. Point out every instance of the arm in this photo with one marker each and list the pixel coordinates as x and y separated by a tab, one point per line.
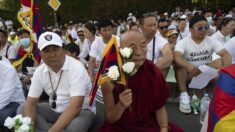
193	70
30	108
10	82
161	116
227	60
113	112
91	66
166	59
73	109
182	62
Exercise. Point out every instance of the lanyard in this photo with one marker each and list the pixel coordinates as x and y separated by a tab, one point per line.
153	49
54	96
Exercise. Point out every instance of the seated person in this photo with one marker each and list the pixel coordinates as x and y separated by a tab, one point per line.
193	51
146	95
67	83
11	93
6	48
27	56
73	50
28	53
172	36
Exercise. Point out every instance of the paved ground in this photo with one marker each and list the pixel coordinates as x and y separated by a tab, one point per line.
189	122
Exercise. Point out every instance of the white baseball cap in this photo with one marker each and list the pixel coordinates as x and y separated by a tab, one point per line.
49	38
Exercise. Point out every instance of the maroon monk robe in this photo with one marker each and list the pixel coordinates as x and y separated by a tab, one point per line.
150	92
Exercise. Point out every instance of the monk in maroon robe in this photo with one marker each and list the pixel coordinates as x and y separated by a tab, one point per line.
141	107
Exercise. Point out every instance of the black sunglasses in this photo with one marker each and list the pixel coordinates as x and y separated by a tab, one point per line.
80	34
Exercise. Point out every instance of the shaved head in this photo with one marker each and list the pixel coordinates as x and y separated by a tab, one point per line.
135	40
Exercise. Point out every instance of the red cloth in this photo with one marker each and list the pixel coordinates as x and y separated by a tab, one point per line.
150	92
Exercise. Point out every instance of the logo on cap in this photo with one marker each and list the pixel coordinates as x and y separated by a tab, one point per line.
48	37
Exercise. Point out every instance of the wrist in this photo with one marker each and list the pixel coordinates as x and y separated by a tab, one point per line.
121	106
164	127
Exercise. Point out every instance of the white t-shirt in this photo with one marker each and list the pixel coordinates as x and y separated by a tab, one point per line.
98	47
198	54
230	47
160	42
218	36
86	48
10	85
12	52
74	82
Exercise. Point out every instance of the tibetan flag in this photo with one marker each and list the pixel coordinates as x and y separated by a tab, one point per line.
30	19
222	107
110	57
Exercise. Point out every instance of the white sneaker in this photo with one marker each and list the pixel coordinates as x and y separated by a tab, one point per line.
185	104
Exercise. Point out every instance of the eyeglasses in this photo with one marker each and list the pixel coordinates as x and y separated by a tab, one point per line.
202	28
80	35
163	27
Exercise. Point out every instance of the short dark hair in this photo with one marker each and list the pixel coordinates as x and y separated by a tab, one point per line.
104	23
22	31
225	21
3	32
90	27
162	20
196	19
72	48
133	24
146	15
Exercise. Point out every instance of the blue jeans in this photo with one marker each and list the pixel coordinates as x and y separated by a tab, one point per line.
9	110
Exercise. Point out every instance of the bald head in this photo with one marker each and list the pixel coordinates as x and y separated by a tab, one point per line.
135	40
130	35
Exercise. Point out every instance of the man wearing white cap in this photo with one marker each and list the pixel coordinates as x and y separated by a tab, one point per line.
67	84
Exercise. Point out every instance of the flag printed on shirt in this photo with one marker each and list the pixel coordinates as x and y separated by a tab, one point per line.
30	19
222	107
110	57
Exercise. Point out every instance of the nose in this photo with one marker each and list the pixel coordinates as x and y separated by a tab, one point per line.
138	51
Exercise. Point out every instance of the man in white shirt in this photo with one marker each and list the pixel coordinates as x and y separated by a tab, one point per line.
193	51
11	92
230	47
67	84
159	51
7	49
98	46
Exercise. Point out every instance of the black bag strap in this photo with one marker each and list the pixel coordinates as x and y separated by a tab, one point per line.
153	49
8	46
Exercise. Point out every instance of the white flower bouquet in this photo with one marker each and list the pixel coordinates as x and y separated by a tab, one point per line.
19	123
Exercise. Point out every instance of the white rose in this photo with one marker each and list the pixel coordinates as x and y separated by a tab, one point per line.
24	128
128	67
113	73
20	117
26	120
9	122
126	52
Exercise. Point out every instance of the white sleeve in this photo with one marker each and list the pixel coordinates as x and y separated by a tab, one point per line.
36	88
179	47
230	47
12	52
7	90
94	49
85	51
79	81
162	43
217	46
